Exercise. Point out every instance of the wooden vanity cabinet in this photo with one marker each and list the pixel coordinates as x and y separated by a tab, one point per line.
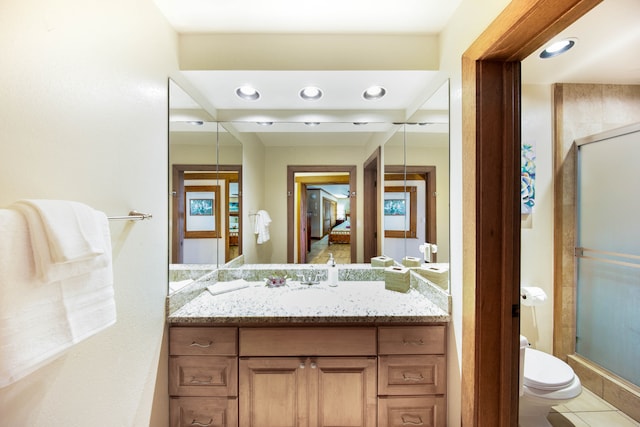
203	377
308	376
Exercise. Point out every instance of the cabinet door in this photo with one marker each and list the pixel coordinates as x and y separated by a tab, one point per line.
203	412
273	392
342	391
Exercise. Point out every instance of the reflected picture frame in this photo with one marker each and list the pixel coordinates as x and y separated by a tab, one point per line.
400	211
202	211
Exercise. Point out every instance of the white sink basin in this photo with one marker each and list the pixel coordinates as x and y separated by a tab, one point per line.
308	297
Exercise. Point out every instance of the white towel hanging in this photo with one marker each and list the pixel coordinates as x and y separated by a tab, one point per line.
39	322
261	226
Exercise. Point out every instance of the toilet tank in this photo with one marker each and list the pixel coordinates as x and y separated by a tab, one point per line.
524	343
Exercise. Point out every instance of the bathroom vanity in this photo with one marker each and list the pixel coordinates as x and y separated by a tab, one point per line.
298	355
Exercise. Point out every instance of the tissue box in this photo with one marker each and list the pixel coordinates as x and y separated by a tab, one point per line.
411	261
381	261
397	279
438	274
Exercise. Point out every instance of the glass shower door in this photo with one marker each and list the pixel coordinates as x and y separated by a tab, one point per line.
608	253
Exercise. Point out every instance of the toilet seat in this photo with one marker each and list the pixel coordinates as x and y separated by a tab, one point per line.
543	371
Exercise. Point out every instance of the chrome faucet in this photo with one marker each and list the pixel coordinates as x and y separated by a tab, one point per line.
309	280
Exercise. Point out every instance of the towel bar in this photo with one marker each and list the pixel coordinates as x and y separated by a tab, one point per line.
133	216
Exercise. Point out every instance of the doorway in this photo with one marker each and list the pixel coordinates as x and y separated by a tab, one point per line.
228	180
491	203
301	181
372	206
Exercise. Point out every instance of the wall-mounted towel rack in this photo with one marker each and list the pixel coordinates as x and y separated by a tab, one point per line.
133	216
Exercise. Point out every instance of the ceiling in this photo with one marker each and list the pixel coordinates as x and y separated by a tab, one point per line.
606	52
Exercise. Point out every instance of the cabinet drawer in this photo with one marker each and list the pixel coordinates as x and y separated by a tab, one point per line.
411	375
203	341
203	411
203	376
411	340
412	411
304	341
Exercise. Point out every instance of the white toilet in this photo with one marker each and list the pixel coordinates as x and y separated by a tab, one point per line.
545	381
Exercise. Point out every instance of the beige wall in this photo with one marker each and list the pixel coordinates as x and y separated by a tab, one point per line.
536	323
84	117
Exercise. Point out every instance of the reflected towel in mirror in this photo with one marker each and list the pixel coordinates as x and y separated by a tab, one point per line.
261	226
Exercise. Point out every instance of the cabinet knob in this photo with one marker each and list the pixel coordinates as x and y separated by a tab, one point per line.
412	376
199	424
411	420
197	344
412	341
201	380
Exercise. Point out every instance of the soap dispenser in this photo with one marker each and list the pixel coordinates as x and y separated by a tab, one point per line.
332	274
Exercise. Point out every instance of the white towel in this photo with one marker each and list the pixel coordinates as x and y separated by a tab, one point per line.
224	287
38	323
65	237
262	226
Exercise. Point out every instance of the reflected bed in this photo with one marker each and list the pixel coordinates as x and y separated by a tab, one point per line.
341	233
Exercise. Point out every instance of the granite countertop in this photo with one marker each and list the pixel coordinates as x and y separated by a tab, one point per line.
350	302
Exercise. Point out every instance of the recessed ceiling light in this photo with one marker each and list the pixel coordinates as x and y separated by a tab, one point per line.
247	93
558	48
374	92
310	93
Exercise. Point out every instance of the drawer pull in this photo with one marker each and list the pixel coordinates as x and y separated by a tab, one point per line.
203	380
412	420
197	423
418	341
197	344
412	376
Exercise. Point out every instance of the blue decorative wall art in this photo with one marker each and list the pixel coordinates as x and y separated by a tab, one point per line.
527	178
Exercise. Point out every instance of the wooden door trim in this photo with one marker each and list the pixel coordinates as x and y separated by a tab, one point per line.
371	224
491	263
291	209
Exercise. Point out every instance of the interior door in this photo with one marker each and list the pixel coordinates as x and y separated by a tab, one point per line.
303	226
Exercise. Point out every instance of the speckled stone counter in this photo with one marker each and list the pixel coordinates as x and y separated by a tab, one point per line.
359	298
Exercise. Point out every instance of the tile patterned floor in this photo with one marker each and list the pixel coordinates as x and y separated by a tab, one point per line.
320	250
589	410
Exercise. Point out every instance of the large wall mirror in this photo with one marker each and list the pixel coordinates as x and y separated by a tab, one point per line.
416	184
205	179
308	176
